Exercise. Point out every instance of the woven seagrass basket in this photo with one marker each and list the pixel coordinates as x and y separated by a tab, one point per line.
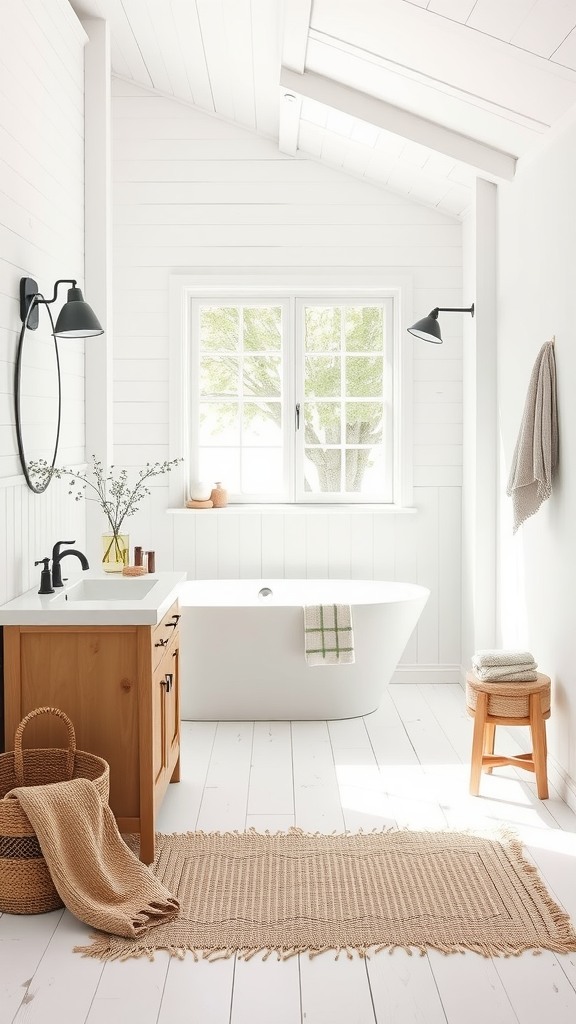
508	699
26	886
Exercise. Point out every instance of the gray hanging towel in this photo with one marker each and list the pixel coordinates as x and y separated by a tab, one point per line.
536	452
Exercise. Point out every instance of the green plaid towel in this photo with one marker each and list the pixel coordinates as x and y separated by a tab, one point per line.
328	634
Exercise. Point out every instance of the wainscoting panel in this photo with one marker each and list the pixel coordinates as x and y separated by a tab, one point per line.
422	547
30	524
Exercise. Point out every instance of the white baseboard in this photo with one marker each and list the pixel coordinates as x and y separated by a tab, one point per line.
564	785
427	674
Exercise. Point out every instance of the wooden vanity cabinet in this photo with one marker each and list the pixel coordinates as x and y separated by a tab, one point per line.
120	687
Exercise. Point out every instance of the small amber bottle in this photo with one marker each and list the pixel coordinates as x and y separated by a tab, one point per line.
151	561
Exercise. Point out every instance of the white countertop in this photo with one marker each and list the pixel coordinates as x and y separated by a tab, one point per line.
61	609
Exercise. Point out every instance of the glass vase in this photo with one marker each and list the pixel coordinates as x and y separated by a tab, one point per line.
115	551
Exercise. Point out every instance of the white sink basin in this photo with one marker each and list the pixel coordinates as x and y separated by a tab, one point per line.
93	599
109	590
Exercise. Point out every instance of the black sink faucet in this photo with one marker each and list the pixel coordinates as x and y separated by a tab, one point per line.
57	557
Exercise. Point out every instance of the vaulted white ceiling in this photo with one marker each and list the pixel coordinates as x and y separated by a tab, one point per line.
417	96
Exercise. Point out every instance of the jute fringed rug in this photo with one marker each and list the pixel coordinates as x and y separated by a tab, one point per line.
291	893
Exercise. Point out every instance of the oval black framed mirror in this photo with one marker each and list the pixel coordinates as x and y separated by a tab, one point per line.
37	391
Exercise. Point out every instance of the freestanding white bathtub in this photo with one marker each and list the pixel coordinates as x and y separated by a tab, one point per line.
242	648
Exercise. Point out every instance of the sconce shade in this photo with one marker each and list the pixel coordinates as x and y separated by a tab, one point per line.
428	329
76	318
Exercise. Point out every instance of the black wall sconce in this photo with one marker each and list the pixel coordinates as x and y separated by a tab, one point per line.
75	320
428	329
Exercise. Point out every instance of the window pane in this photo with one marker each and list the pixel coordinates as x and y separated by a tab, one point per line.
262	471
219	376
364	376
220	464
219	328
322	470
364	422
262	328
322	422
262	424
219	423
364	329
365	470
261	376
322	326
322	377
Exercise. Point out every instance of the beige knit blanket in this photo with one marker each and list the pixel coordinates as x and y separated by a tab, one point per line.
536	452
97	877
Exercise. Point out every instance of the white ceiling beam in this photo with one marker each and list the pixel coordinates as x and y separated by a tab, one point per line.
486	159
297	14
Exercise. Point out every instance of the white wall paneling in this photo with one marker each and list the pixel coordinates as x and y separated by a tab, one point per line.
340	546
30	524
42	236
535	567
98	190
194	193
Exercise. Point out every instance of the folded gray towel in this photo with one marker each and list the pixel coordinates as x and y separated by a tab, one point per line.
501	675
500	656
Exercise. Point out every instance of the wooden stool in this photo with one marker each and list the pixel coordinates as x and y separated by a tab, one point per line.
497	702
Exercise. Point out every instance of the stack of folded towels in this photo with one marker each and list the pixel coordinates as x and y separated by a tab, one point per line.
506	666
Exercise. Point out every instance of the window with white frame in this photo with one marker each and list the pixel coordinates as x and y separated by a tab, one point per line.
292	398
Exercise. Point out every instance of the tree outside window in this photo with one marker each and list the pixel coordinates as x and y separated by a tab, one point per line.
337	367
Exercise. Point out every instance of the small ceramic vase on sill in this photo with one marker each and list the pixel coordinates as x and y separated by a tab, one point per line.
219	496
115	551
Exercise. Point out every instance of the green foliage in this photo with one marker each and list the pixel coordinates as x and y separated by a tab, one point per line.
338	340
262	328
219	329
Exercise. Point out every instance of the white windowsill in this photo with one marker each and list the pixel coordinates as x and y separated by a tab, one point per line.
303	509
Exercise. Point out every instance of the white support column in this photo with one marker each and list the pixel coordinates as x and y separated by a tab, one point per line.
479	514
297	14
98	258
486	450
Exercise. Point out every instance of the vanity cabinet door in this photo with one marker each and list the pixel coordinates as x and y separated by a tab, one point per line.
158	724
172	704
165	718
92	675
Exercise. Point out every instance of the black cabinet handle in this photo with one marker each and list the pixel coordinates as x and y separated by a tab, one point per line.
175	623
161	643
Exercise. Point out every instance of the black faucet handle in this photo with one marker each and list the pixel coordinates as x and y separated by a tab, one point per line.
45	579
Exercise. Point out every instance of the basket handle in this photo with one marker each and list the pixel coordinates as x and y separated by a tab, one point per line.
18	759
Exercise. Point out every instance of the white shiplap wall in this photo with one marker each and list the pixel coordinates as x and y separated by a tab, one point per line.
195	193
41	236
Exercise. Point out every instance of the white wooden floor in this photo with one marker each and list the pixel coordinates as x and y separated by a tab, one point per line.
407	764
